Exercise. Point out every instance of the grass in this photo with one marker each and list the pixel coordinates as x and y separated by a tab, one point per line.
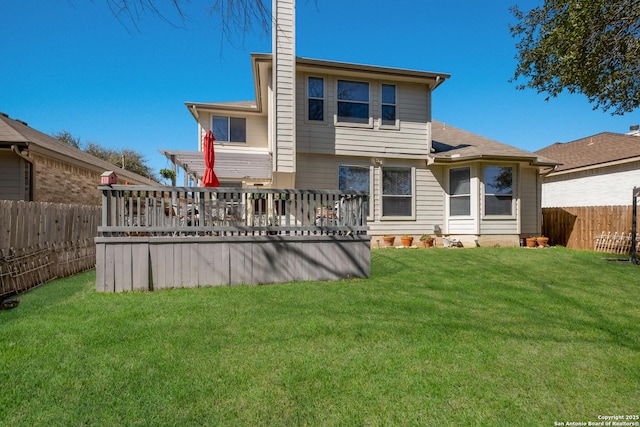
500	336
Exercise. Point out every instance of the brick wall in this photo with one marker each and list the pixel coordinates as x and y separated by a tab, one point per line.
61	182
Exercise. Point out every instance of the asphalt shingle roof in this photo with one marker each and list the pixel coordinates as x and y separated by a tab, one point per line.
451	143
593	150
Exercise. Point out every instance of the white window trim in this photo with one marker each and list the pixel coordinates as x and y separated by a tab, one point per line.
412	217
513	194
448	201
396	126
368	125
324	100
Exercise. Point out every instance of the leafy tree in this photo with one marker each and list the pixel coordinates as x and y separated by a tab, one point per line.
127	159
584	46
66	137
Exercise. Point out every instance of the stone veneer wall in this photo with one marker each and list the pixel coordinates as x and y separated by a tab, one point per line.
61	182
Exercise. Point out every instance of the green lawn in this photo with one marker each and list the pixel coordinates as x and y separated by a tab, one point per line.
486	336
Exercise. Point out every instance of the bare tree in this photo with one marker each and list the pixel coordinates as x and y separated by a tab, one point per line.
237	17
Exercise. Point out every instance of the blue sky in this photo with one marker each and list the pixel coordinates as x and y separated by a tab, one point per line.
70	65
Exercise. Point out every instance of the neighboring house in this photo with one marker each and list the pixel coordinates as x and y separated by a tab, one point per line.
599	170
319	124
37	167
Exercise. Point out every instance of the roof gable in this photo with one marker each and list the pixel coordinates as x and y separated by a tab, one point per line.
593	150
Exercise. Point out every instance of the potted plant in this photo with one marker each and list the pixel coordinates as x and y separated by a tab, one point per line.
531	241
388	240
427	240
542	241
280	201
406	240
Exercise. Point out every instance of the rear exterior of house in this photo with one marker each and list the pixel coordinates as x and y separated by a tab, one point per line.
333	125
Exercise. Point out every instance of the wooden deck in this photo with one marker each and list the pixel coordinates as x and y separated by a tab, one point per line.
167	237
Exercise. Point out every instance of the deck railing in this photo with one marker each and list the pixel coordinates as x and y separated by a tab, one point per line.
197	211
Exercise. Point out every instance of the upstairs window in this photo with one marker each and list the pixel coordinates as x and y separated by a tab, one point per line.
315	99
388	105
353	102
460	192
397	192
498	190
229	129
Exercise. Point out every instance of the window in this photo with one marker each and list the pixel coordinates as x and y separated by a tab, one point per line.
460	191
498	190
229	129
315	99
355	178
353	102
388	105
397	192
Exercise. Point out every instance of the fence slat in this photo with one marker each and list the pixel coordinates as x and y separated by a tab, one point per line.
579	227
42	241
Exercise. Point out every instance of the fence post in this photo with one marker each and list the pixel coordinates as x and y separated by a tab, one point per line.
634	212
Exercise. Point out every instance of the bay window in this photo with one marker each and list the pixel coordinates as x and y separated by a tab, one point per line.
498	190
460	192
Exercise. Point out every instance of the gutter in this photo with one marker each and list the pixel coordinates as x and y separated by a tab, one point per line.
16	150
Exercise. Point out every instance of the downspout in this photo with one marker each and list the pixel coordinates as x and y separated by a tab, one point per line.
16	150
543	176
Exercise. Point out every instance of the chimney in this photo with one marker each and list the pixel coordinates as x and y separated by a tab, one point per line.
634	130
283	83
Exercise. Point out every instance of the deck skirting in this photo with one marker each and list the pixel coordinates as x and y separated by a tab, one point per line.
140	263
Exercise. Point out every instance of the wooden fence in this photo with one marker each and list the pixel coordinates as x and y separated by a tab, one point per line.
42	241
579	227
615	243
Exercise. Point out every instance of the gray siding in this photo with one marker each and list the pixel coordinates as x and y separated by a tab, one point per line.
321	172
411	140
530	209
13	177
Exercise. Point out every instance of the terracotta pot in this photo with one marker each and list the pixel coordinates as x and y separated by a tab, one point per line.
531	242
388	240
406	241
542	241
427	243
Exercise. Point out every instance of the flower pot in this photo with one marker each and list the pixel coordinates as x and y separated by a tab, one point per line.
388	240
427	243
406	241
542	241
531	242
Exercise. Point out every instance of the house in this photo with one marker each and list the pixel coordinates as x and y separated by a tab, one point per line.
318	124
37	167
599	170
